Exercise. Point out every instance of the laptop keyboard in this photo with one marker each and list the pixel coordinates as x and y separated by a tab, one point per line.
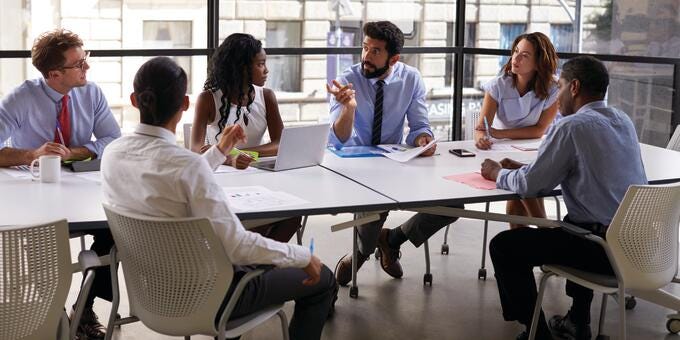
267	164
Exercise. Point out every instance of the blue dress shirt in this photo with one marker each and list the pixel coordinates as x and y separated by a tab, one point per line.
29	113
403	97
593	154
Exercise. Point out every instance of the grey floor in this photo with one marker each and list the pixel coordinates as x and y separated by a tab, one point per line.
457	306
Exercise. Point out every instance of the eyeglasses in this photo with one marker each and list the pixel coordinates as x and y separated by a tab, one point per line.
80	64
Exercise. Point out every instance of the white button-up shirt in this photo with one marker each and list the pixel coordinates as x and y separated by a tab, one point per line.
147	173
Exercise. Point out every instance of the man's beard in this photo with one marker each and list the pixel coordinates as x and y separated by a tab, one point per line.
374	74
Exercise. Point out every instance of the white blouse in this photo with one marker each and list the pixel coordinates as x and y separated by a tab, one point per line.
257	119
515	111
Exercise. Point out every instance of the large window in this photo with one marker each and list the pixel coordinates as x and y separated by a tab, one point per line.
169	34
619	27
562	37
469	65
284	71
508	34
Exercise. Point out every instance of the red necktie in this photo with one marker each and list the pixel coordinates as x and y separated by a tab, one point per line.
64	124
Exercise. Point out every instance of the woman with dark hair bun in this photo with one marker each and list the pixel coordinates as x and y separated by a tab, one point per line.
234	95
147	173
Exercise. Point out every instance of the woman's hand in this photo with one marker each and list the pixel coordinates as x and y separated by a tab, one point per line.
231	135
481	141
241	161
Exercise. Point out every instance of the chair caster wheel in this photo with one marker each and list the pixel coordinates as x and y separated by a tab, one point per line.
445	249
481	274
673	326
354	292
427	279
630	302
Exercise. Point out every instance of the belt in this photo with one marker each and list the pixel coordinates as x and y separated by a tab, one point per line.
596	228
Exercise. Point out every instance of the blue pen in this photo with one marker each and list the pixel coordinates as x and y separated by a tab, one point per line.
486	128
311	246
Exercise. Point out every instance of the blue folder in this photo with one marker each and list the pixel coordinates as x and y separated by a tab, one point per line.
358	151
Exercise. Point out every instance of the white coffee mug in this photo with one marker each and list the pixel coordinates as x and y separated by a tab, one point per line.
49	169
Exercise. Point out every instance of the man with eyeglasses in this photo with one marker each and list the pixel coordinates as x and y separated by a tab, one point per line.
58	115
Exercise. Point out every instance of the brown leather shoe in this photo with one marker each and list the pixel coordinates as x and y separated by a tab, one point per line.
89	327
343	270
389	257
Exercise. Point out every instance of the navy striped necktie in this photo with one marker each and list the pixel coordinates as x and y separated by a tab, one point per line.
378	113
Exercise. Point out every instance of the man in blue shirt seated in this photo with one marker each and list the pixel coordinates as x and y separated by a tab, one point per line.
58	115
369	103
594	155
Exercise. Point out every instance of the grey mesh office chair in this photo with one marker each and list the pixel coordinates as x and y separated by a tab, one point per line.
36	271
674	143
177	274
642	247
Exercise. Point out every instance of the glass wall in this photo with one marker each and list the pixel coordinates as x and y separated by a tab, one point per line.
625	27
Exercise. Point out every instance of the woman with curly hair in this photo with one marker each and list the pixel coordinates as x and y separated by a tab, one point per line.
234	95
521	103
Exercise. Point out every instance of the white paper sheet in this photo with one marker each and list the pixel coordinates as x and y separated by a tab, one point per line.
257	198
226	169
531	146
18	172
94	176
401	154
499	148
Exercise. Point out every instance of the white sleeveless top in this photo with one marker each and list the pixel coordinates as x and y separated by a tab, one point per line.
257	119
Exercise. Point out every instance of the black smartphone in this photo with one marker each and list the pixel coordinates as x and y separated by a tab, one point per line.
462	153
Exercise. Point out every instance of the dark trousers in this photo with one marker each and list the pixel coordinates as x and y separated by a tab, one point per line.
418	229
278	285
515	253
281	231
101	287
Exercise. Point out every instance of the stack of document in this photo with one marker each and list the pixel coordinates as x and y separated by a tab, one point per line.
532	146
402	154
257	198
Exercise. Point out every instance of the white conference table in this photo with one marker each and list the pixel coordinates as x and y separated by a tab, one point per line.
79	200
353	185
340	185
420	182
419	185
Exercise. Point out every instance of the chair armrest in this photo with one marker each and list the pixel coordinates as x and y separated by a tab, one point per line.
236	294
88	259
574	230
588	235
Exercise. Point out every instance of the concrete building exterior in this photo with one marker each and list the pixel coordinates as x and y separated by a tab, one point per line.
298	80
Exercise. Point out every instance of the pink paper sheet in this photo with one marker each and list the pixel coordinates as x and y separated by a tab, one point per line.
473	179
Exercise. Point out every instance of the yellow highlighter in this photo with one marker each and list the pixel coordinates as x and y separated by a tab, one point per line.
252	154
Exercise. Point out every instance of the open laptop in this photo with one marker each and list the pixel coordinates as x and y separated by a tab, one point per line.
300	147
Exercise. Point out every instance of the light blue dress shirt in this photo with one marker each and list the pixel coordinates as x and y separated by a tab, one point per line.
515	111
29	113
403	97
593	154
